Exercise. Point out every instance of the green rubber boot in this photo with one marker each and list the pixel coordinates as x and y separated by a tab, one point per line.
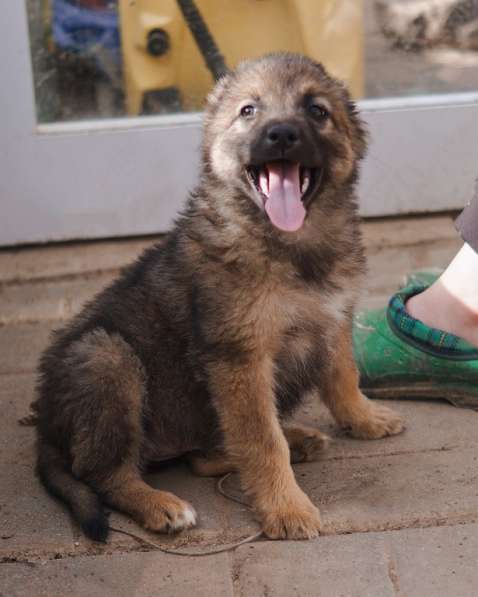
400	357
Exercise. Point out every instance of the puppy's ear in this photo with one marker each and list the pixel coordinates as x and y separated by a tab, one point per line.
215	96
359	134
319	66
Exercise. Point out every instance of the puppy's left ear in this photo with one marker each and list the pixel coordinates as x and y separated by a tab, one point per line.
360	136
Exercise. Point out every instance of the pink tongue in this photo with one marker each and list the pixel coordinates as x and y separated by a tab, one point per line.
283	205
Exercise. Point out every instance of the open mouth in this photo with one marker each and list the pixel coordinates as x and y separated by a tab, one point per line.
283	187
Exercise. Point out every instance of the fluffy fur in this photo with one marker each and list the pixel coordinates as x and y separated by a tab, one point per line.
208	343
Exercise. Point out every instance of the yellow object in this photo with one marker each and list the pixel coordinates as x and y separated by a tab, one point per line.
329	31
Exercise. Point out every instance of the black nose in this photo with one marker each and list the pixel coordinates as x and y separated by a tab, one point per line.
282	136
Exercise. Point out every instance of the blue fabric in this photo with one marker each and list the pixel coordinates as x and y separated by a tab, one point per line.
79	30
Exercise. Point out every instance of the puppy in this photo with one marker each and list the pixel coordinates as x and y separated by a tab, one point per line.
211	339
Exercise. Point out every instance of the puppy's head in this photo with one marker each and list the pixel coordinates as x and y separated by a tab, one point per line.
280	131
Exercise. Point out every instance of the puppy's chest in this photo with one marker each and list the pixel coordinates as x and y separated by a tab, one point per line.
287	317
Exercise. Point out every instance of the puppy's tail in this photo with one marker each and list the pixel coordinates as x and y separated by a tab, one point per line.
83	502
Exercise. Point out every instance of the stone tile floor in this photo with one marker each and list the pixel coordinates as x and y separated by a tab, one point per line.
400	514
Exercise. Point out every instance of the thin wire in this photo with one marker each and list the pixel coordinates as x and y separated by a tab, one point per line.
176	552
220	489
206	552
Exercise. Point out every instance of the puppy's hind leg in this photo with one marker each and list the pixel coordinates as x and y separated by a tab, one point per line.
108	433
306	444
156	510
211	464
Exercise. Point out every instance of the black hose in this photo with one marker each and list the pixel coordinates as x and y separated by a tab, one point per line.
207	46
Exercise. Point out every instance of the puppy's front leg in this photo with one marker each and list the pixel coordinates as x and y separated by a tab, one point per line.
351	409
256	446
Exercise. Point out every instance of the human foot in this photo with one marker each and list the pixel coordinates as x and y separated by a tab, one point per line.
451	303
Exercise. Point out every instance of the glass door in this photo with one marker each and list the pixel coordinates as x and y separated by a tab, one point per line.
100	102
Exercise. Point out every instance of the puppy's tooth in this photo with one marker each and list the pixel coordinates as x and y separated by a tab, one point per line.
264	181
305	184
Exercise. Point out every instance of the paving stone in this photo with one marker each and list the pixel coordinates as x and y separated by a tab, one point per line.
30	521
16	441
435	428
421	477
388	267
398	246
388	492
435	562
53	282
440	562
431	425
346	566
120	575
391	492
358	484
21	345
408	231
69	259
49	300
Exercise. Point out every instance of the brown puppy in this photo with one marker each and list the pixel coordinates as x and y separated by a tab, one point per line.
210	340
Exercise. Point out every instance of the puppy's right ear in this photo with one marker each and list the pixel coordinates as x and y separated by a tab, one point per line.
215	96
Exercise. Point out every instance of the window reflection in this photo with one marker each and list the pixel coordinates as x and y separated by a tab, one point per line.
113	58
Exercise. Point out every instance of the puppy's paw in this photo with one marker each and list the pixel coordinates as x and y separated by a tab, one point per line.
376	421
167	513
305	444
300	519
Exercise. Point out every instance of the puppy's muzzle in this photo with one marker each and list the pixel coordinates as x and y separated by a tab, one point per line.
283	173
278	141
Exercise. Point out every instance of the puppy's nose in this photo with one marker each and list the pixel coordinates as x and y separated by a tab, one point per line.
282	136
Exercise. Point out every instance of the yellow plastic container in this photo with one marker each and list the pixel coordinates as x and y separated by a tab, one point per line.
329	31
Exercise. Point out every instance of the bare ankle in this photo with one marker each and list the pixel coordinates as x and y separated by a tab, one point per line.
438	308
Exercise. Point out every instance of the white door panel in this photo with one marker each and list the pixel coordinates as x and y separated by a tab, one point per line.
422	157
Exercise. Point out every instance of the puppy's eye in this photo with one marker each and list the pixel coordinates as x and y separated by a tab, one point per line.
248	111
319	112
